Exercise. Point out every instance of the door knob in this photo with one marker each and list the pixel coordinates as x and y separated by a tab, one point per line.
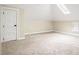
15	25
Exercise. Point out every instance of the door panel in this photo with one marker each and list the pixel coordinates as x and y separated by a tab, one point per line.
9	22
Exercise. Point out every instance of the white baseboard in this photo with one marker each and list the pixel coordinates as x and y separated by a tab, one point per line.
73	34
38	32
21	38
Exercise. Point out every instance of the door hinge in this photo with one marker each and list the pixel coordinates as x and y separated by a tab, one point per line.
3	38
3	13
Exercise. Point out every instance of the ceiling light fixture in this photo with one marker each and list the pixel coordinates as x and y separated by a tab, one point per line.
63	8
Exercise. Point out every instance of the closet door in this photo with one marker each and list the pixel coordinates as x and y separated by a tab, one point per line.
9	25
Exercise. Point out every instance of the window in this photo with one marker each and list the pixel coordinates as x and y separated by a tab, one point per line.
75	27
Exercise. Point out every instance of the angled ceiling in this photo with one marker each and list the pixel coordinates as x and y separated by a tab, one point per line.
55	12
59	15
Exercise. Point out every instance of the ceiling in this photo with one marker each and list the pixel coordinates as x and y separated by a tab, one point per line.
56	13
74	12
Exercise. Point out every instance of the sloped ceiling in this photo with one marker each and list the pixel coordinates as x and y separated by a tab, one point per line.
55	12
59	15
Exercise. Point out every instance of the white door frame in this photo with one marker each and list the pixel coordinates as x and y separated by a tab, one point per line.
17	21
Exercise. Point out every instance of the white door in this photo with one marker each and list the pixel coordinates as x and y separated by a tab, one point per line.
9	25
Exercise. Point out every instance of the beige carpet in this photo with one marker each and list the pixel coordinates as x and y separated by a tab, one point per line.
43	44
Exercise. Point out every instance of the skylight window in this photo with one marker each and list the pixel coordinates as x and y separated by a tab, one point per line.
63	8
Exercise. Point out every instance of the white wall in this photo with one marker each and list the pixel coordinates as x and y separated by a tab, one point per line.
0	24
36	18
37	12
0	31
65	26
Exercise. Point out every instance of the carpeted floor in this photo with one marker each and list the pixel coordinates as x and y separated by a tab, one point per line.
43	44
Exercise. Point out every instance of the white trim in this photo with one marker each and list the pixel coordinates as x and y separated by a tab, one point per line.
21	38
73	34
38	32
28	34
